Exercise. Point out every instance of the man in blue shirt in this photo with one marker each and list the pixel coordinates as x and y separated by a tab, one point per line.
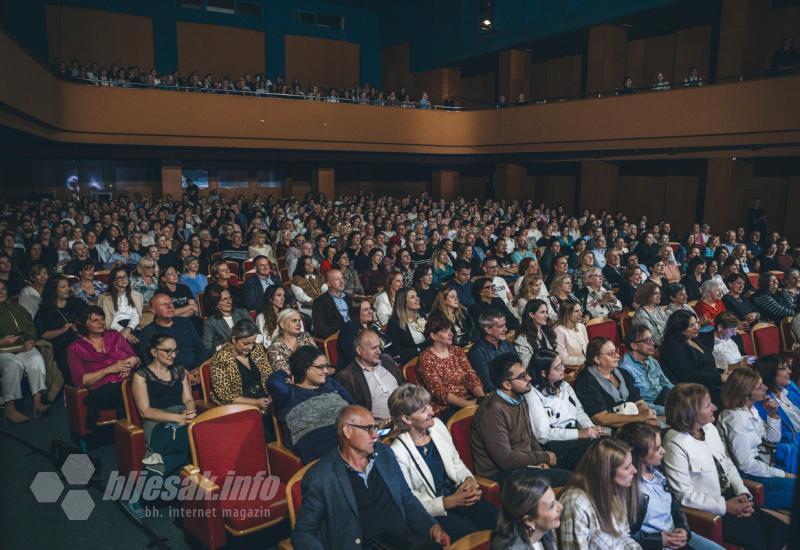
492	343
461	282
255	287
652	383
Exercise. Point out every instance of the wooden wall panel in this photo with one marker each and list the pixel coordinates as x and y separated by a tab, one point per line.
322	61
480	88
223	51
101	36
558	190
564	76
599	185
606	58
642	194
395	73
692	47
680	201
538	84
473	187
791	225
648	56
773	190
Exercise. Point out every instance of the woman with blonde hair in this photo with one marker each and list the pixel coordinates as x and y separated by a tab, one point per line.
531	289
442	266
561	290
432	467
598	301
258	246
744	433
571	335
288	336
384	301
447	305
595	501
585	264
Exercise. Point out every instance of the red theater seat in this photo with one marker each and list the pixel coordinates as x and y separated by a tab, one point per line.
229	439
460	426
766	338
76	414
129	435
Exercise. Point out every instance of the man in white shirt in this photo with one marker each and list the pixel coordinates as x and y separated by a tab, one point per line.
372	376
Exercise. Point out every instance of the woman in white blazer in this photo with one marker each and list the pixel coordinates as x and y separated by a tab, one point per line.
432	468
703	476
384	301
744	431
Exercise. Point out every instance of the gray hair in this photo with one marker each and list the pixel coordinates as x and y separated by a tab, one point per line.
709	286
405	401
244	328
589	272
488	317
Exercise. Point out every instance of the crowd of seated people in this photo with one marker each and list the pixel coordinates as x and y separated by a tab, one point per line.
409	355
116	76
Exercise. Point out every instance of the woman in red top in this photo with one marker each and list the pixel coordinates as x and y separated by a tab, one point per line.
444	370
327	263
100	360
710	303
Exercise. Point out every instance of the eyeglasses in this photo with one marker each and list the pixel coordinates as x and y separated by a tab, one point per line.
612	353
323	367
121	278
521	376
228	299
371	429
650	341
168	351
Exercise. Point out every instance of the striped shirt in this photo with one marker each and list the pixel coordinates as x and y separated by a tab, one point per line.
659	507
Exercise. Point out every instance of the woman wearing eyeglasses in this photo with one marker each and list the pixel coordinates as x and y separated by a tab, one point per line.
222	316
239	372
608	394
163	396
288	337
100	360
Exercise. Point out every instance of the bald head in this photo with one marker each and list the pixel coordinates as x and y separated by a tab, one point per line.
352	414
335	280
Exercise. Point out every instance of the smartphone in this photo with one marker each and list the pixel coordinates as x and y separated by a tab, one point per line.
384	432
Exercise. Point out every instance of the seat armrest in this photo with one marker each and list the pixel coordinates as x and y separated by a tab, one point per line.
491	490
704	523
202	513
756	489
282	462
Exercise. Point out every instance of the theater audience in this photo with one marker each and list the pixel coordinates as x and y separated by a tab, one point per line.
656	518
256	286
695	276
163	397
649	379
88	288
702	475
502	439
191	350
595	499
384	301
685	358
220	318
18	358
274	301
536	332
371	376
737	303
191	276
364	472
121	305
288	337
183	301
331	310
99	360
447	305
571	336
443	369
531	513
406	326
744	432
771	303
650	314
55	320
556	415
608	394
352	283
485	295
423	284
432	466
145	281
30	297
596	300
776	375
491	342
710	304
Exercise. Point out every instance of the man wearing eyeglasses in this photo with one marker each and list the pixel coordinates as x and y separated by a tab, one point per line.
647	375
502	439
357	497
307	402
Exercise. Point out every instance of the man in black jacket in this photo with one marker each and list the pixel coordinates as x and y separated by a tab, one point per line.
330	311
372	376
255	287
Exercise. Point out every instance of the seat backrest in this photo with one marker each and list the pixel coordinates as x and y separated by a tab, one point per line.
248	265
747	342
331	351
603	327
787	336
460	426
766	339
276	424
201	303
626	324
753	278
229	439
294	492
205	380
233	266
410	371
778	274
131	410
479	540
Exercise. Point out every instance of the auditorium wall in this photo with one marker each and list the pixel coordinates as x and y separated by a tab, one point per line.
322	61
102	36
222	51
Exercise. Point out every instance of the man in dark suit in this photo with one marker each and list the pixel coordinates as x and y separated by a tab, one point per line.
330	311
613	271
372	376
254	288
356	496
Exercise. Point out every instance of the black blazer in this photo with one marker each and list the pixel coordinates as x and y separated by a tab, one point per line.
683	363
253	293
595	399
325	317
402	342
615	277
353	380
